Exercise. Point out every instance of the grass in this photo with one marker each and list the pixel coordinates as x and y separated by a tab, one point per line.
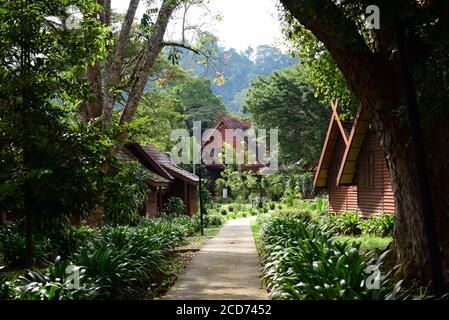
368	242
198	240
256	229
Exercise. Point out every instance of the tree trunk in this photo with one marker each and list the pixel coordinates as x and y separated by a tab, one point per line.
376	80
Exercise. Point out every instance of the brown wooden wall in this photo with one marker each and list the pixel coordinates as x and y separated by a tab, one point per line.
343	198
151	205
188	193
372	192
375	195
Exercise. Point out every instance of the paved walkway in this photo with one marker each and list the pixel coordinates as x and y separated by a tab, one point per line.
226	267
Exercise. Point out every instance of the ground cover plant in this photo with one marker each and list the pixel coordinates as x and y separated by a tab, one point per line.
303	261
112	263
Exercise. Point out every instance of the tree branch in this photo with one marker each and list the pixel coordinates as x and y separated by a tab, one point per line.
182	45
114	65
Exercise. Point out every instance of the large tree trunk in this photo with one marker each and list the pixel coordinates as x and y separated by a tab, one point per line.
376	80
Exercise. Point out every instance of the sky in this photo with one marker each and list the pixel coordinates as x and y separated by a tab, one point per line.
244	22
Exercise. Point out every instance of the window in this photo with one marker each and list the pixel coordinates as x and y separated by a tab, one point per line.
369	172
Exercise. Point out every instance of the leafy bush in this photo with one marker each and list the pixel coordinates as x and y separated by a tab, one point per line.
54	284
231	215
343	224
381	226
231	208
113	263
319	206
214	220
290	198
292	212
12	245
175	206
224	211
5	289
301	261
272	205
190	225
125	191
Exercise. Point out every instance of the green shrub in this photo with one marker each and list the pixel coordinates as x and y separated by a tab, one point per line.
292	212
175	206
12	246
381	226
272	205
343	224
319	206
302	262
55	283
231	215
224	211
214	220
5	289
125	191
231	208
239	207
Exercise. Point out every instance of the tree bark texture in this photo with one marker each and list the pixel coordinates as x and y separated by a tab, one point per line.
376	80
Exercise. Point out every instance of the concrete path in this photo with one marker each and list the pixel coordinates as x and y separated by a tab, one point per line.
226	267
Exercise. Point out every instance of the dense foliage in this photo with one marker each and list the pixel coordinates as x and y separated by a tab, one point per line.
112	263
286	101
351	223
237	70
125	192
303	262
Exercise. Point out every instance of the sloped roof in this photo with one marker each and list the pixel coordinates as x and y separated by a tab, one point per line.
150	177
169	169
335	129
234	123
229	122
357	137
170	166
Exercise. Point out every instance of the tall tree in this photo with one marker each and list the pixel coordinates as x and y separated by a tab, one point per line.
44	152
120	72
198	102
285	101
369	61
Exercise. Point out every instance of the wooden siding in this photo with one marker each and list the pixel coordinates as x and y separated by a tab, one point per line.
372	192
375	195
151	209
341	198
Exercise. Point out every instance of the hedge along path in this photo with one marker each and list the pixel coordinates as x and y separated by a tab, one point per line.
226	268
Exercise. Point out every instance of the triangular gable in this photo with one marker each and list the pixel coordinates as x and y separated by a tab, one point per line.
357	137
230	123
149	160
334	130
169	166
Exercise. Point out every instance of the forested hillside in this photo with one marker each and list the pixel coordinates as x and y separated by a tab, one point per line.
238	70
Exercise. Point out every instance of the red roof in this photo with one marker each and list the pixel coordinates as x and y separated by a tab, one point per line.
234	123
164	164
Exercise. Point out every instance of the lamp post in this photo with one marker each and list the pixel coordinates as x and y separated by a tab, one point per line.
201	200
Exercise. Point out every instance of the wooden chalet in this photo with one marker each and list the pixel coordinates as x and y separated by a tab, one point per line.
353	168
223	123
166	180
